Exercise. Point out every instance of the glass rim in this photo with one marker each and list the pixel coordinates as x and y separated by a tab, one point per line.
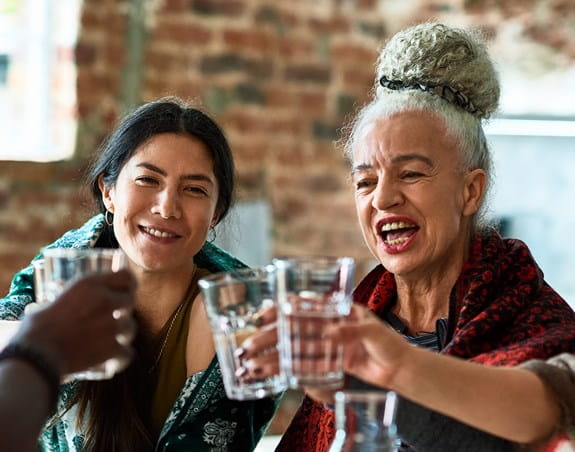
361	395
313	259
248	274
81	252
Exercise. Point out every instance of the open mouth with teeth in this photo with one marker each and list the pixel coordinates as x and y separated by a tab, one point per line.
397	233
157	233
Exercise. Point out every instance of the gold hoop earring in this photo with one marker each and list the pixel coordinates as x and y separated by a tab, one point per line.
106	218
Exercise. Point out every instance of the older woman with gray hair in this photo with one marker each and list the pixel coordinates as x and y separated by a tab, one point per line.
447	281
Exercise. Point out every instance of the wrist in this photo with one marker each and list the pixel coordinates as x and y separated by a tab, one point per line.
406	369
35	359
37	333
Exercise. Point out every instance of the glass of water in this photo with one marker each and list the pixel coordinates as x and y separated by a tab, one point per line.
314	293
235	302
39	266
365	421
59	268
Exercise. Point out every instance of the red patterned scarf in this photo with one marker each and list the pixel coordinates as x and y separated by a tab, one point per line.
501	313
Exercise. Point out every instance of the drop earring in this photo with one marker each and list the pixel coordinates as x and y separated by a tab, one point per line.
109	218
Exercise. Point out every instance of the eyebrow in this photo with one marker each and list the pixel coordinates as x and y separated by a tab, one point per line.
361	167
397	159
160	171
408	157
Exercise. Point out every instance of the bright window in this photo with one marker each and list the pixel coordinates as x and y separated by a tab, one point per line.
38	79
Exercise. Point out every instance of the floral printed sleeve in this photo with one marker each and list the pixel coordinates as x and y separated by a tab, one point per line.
204	419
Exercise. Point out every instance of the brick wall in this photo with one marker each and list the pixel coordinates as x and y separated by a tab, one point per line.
281	77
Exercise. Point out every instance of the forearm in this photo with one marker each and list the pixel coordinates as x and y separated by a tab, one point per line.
427	430
507	402
25	403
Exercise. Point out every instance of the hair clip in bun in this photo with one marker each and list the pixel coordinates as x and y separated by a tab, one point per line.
451	95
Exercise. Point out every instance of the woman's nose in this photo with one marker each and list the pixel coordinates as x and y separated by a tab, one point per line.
386	195
167	204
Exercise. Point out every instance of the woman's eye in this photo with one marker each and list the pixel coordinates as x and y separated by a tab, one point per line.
197	191
363	184
411	175
145	180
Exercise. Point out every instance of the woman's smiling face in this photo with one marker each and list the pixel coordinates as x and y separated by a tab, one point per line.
164	202
414	198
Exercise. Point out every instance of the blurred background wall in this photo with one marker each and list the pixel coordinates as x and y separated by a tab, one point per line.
281	77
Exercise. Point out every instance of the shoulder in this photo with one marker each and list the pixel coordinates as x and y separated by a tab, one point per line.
214	259
83	237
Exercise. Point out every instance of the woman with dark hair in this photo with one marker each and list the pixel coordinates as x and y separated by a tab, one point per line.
162	181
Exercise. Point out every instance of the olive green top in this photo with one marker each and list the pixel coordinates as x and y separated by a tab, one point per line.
168	375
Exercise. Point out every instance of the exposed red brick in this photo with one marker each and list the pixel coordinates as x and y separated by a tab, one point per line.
252	180
255	40
355	54
278	96
173	5
365	4
290	126
228	8
315	102
308	73
295	48
548	36
358	77
85	54
91	18
507	8
245	122
288	155
289	209
336	24
182	33
115	52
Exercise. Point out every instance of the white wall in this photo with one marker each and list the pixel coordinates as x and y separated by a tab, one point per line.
245	233
535	190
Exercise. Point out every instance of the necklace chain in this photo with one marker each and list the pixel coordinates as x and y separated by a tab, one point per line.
174	317
172	321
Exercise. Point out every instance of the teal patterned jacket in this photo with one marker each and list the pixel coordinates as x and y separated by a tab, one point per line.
202	418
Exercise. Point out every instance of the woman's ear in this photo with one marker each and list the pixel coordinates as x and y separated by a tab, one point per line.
475	181
106	195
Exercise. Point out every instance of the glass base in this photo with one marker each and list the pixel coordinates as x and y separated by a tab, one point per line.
325	381
255	391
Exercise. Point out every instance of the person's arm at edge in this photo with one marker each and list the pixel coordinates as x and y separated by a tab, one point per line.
62	338
26	397
509	402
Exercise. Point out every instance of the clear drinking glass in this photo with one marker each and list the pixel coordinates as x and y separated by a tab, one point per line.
63	265
235	302
39	267
313	293
365	421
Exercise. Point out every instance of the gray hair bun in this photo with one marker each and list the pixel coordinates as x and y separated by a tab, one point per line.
449	62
